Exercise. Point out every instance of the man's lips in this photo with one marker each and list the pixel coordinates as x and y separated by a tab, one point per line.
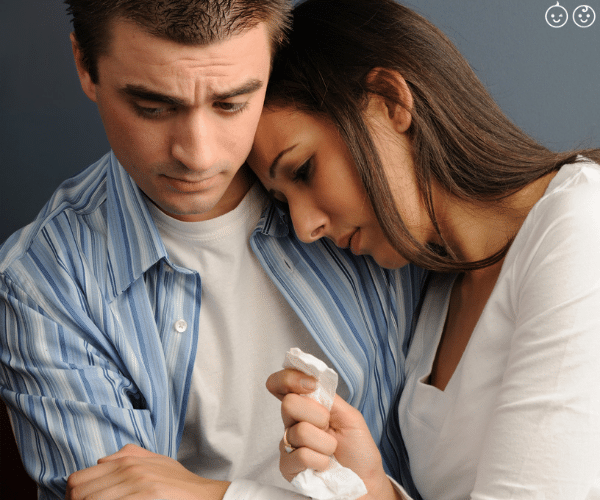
191	185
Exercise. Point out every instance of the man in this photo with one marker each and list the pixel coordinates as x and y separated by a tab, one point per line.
138	326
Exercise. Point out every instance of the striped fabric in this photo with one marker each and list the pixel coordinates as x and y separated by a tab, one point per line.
90	356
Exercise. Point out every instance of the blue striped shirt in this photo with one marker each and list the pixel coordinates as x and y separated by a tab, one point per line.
90	356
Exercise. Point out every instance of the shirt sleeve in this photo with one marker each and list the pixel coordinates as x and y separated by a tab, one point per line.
544	435
243	489
399	489
69	399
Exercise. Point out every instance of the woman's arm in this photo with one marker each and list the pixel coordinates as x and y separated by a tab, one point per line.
544	435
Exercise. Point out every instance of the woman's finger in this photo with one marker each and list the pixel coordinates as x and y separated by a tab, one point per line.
292	464
305	435
290	381
344	416
296	408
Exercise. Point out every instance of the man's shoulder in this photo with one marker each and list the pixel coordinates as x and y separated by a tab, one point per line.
77	198
289	259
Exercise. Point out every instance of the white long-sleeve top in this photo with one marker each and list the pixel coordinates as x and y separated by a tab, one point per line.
520	417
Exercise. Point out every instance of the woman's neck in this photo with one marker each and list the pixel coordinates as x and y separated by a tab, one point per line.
475	231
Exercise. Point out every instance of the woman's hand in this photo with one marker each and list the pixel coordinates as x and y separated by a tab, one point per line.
317	433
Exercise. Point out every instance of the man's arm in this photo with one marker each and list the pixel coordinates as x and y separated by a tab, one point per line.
133	472
71	399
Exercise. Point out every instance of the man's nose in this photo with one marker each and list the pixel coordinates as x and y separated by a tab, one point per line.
194	143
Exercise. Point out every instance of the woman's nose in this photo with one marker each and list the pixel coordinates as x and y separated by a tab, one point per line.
309	222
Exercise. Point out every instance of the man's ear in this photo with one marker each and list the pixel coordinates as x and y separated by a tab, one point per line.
88	86
391	84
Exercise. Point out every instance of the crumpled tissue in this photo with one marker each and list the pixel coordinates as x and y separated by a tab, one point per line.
337	482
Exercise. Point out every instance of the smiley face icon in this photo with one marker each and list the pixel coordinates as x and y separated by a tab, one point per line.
584	16
557	16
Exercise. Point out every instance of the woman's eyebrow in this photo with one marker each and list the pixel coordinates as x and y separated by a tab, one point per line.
275	164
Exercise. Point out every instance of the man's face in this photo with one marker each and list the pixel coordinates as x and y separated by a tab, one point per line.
181	119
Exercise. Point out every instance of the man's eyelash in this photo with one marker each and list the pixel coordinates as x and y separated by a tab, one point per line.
150	112
158	111
232	107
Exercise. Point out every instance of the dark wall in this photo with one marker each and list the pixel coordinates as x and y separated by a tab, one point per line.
49	130
546	79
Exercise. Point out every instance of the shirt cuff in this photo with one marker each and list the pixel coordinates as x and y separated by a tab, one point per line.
243	489
398	488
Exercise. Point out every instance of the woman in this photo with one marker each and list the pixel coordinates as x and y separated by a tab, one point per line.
378	135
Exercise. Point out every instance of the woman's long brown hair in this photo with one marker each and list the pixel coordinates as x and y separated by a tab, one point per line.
460	137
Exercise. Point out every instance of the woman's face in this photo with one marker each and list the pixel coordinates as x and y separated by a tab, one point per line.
303	162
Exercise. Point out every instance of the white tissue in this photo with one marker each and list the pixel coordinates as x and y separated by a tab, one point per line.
337	482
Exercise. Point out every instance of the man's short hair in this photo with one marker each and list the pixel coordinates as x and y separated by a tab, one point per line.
189	22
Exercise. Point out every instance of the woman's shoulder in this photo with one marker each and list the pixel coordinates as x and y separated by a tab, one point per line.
574	176
573	194
565	221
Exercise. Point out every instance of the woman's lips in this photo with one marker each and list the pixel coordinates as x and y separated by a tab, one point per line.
354	242
351	241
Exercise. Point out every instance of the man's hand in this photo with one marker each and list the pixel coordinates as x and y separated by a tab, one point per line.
135	473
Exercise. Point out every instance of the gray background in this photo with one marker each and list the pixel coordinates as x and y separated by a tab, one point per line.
545	79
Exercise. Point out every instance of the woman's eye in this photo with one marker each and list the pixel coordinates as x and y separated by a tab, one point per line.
278	199
280	204
303	172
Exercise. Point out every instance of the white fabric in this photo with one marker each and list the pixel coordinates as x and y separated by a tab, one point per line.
233	424
327	379
520	417
242	489
336	482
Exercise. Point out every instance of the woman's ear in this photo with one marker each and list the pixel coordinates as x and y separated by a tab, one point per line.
391	97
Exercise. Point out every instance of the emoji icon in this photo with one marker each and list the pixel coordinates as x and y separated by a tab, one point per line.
584	16
557	16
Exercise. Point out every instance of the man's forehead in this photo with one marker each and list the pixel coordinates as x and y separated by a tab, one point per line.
122	30
144	66
132	45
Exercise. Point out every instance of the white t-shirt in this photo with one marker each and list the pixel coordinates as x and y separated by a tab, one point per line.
233	424
520	417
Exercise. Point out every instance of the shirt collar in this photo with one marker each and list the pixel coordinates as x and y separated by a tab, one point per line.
134	244
273	222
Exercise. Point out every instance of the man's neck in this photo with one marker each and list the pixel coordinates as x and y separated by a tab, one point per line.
235	193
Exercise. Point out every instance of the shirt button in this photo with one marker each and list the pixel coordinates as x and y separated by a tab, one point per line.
181	325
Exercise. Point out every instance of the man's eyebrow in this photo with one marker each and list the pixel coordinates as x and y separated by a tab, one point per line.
143	93
246	88
275	164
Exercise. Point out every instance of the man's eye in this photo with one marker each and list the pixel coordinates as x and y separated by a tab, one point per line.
150	111
231	107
